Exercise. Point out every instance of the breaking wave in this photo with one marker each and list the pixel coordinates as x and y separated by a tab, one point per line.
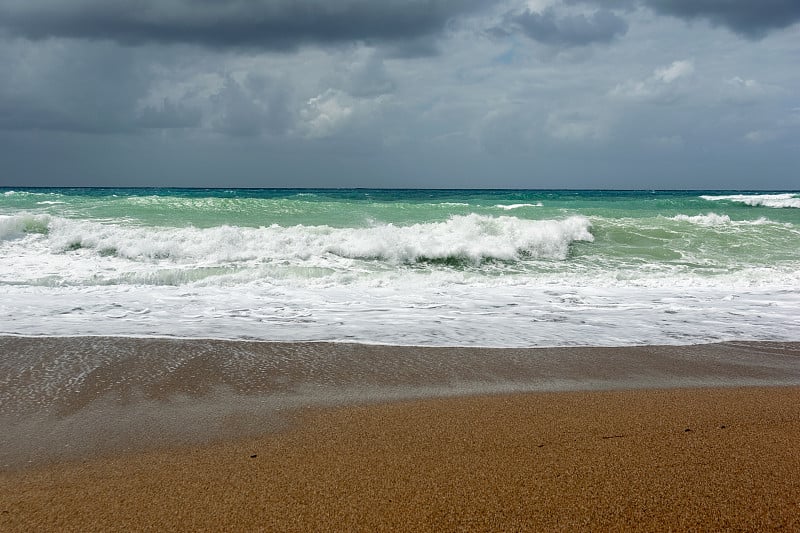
710	219
16	226
759	200
462	239
509	207
713	219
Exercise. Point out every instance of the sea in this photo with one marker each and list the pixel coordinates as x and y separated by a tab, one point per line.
489	268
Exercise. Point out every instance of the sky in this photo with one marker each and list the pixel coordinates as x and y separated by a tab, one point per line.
639	94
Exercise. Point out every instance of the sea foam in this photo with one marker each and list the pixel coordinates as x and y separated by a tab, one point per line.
16	226
713	219
509	207
759	200
710	219
472	238
403	269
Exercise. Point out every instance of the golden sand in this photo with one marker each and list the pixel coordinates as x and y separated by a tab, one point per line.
708	459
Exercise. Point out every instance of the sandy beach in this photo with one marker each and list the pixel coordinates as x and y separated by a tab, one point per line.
656	438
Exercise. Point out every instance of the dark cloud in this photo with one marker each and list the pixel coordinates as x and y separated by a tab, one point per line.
17	113
570	30
747	17
169	115
259	105
87	89
608	4
264	24
751	18
103	88
367	80
422	46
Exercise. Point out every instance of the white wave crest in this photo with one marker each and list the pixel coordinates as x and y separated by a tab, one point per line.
760	200
713	219
710	219
509	207
470	238
16	226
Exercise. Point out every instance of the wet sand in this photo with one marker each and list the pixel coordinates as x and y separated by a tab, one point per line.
159	434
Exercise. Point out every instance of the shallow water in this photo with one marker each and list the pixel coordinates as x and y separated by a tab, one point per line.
414	267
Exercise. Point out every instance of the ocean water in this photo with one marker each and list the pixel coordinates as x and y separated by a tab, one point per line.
406	267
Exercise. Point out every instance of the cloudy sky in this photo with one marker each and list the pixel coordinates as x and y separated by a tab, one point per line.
401	93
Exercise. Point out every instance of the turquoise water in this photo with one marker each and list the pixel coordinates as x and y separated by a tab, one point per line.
487	267
349	207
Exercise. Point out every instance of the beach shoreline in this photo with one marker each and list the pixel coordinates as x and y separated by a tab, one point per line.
80	397
104	433
559	461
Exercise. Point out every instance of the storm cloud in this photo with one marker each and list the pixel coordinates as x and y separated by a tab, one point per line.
400	93
571	30
265	24
747	17
78	88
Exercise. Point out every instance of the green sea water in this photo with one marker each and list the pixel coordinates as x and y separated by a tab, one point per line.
353	207
355	252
